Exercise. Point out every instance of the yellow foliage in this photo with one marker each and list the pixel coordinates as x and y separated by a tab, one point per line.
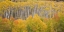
4	5
19	25
36	18
6	21
60	14
14	30
35	24
30	17
41	4
5	24
47	8
0	18
53	4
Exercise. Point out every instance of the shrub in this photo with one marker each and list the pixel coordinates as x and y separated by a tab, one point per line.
35	24
19	26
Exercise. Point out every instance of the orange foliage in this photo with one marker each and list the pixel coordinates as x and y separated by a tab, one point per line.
56	17
12	18
5	20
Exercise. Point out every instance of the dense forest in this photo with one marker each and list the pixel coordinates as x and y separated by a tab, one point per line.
30	0
31	16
